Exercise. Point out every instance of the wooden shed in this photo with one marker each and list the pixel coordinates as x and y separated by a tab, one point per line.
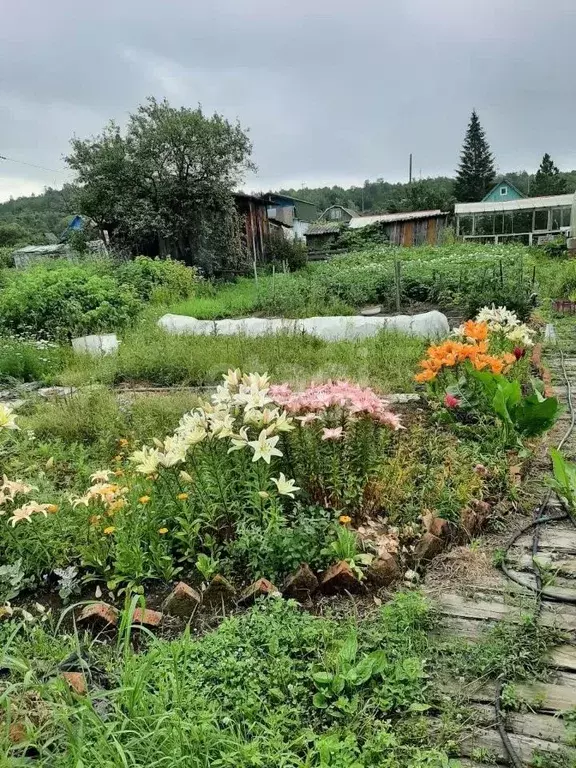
409	228
255	226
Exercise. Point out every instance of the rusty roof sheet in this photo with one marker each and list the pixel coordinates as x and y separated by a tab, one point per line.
390	218
326	228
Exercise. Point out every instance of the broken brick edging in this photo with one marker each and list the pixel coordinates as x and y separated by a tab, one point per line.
543	371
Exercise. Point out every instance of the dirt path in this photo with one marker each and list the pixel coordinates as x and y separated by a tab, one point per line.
471	595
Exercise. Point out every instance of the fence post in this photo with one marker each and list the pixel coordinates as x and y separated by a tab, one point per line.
397	282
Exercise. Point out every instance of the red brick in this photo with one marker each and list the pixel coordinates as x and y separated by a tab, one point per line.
383	571
76	681
147	618
182	601
339	578
260	588
300	585
219	591
428	547
102	615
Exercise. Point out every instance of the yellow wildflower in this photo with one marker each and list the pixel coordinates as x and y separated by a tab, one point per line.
344	519
122	442
144	499
109	530
162	531
52	508
182	496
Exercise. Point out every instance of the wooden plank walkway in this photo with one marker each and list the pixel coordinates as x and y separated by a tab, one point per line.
467	612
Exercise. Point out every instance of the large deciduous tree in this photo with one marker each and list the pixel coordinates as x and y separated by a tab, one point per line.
166	183
475	174
547	180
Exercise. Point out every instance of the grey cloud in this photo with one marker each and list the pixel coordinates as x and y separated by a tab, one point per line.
330	89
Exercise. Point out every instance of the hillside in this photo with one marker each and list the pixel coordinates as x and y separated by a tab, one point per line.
28	219
380	196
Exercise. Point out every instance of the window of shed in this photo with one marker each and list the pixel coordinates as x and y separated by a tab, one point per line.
503	190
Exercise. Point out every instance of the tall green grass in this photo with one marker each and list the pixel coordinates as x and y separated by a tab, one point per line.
444	275
150	355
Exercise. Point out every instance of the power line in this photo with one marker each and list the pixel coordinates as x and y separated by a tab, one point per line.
32	165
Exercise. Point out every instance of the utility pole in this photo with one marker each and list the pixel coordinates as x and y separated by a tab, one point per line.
410	170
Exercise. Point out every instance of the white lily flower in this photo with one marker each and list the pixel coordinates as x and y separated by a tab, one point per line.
233	378
102	476
285	487
239	441
11	488
264	447
146	460
7	417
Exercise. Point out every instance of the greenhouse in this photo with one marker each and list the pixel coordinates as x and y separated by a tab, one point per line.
529	220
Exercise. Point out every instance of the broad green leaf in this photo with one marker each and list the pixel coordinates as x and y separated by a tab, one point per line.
320	701
322	678
349	649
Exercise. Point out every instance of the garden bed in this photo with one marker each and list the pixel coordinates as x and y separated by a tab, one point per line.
262	478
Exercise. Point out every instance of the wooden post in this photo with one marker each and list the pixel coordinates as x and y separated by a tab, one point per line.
501	274
397	283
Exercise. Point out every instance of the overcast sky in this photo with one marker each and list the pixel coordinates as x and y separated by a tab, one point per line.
333	91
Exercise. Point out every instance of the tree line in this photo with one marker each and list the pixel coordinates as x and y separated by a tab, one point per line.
164	184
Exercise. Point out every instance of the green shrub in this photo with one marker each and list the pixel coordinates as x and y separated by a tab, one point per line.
65	300
515	296
292	253
562	282
556	248
24	360
163	279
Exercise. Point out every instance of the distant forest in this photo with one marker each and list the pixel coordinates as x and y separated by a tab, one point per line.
29	220
381	196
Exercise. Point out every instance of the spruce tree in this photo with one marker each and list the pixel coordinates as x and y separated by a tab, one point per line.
547	180
475	174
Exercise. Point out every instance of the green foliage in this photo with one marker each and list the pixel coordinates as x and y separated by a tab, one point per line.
195	163
24	360
461	275
278	551
78	241
346	547
12	234
38	214
508	651
90	417
526	416
547	180
556	248
63	300
243	695
12	581
514	293
291	253
564	480
158	279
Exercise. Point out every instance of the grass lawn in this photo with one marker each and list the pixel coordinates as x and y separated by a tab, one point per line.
149	354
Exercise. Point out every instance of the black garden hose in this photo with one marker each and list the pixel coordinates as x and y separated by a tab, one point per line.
539	591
